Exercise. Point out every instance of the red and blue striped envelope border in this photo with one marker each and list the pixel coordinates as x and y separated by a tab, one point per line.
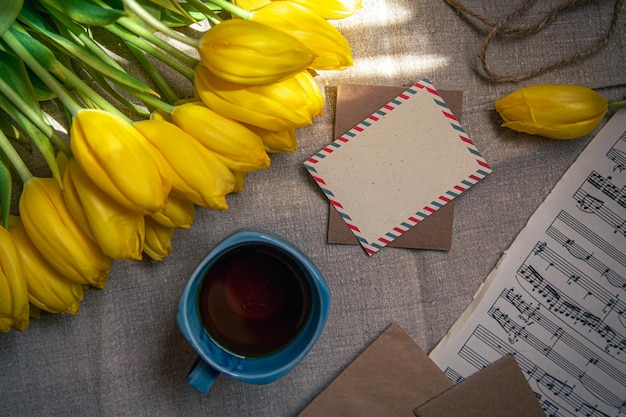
358	173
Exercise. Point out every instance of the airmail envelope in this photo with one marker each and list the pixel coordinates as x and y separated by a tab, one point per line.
396	167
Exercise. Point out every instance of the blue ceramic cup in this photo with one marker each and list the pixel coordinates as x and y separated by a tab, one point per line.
207	312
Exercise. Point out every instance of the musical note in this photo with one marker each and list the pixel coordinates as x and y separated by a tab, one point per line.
588	203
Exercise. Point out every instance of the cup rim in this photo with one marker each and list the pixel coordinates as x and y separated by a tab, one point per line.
274	365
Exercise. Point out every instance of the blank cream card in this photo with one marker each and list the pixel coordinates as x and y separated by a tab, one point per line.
398	166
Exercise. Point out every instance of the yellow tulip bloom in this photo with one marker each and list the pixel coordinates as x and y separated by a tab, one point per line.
58	237
117	230
249	53
250	4
284	141
196	173
285	105
330	46
158	240
119	160
237	146
179	213
553	110
47	289
330	9
14	307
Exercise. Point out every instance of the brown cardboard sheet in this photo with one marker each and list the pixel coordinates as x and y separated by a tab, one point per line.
499	390
355	103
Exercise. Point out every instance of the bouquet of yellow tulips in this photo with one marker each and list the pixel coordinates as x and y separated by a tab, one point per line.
138	160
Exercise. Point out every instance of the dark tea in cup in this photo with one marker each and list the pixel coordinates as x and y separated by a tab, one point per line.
254	300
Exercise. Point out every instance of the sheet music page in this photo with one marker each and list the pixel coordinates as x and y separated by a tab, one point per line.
557	298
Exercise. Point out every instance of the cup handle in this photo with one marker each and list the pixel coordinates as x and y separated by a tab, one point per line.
201	376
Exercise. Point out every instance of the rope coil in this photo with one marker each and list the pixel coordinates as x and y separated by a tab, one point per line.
501	27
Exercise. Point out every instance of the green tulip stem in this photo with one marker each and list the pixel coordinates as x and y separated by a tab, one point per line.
150	49
87	91
15	159
41	72
157	24
229	7
617	104
156	76
155	40
154	102
36	117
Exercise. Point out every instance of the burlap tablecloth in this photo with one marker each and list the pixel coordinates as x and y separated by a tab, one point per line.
123	355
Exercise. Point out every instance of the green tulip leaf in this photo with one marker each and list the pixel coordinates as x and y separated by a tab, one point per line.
17	78
8	13
86	11
35	22
39	51
11	131
6	183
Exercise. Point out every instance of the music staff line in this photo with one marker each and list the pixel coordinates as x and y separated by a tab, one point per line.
592	237
560	335
590	204
565	394
611	302
580	253
520	333
609	189
617	155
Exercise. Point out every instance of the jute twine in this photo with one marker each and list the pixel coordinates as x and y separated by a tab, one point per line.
502	27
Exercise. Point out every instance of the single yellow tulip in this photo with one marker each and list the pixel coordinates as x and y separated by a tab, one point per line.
556	111
240	180
285	105
249	53
117	230
179	213
237	146
119	160
14	307
250	4
274	142
47	289
158	240
196	173
58	237
330	9
330	46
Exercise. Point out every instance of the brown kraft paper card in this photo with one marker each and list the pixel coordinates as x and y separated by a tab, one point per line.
499	390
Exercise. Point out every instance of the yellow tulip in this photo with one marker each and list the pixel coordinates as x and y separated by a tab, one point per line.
158	240
274	142
58	237
117	230
237	146
47	289
196	173
250	4
330	9
246	52
285	105
119	160
240	180
179	213
330	46
14	307
553	110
